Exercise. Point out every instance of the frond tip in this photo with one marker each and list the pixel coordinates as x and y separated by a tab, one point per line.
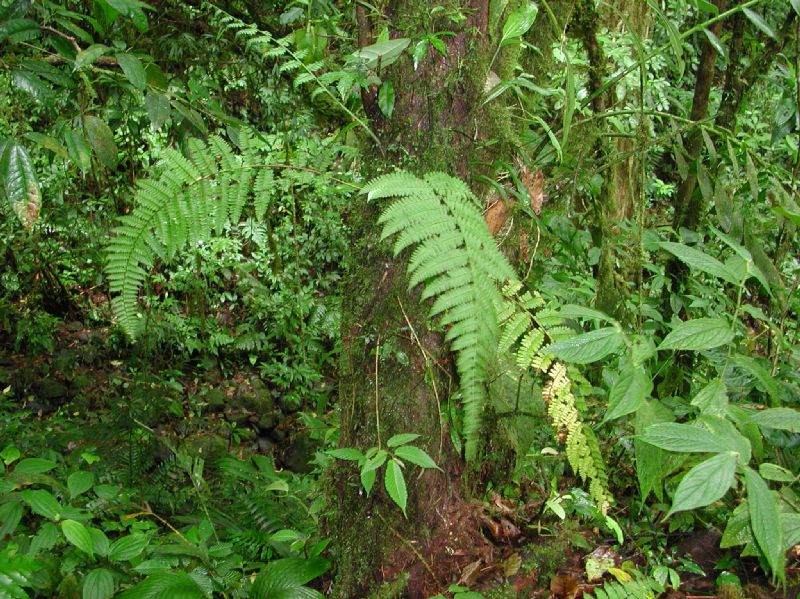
456	259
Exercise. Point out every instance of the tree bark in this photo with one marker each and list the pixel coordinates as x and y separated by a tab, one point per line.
395	375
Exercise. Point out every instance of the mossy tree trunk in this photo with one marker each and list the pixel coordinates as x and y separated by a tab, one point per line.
395	374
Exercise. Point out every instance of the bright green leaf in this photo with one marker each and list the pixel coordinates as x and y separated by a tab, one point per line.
98	584
401	439
704	484
684	438
698	334
79	482
628	392
133	69
76	533
588	347
757	20
785	419
416	456
776	473
699	260
395	484
712	399
43	503
88	56
347	453
518	23
128	547
765	521
386	99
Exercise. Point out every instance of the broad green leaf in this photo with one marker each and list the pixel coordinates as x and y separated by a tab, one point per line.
790	530
34	466
576	311
157	565
685	438
737	531
102	140
38	89
78	150
376	461
10	455
386	99
796	5
628	392
712	399
18	29
99	541
588	347
284	536
11	513
128	547
518	23
164	585
760	371
43	503
77	534
416	456
704	484
18	184
79	482
380	55
784	419
757	20
285	578
133	69
776	473
46	538
714	41
395	484
88	56
401	439
699	260
698	334
368	480
724	429
98	584
48	143
347	453
16	572
706	6
765	521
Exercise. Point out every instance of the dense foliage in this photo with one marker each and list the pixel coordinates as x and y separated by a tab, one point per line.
189	197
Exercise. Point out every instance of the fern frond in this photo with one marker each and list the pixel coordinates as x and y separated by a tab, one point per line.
195	196
461	268
638	587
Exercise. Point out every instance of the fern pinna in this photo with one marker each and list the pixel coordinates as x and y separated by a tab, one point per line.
456	258
193	198
528	329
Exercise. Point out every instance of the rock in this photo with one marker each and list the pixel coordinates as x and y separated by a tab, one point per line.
206	445
299	454
267	421
259	401
50	390
216	401
240	417
265	445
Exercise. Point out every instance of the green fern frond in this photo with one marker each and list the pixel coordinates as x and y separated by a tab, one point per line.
638	587
528	328
193	197
456	259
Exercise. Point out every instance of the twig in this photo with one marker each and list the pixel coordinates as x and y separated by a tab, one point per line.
377	403
433	379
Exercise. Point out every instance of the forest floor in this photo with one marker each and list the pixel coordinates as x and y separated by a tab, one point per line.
87	393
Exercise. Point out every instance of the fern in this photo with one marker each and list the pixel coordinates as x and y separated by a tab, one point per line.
456	259
194	197
528	331
637	586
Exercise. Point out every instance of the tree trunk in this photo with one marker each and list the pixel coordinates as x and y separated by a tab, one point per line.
395	375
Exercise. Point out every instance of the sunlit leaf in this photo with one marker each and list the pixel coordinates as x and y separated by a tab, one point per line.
704	484
395	484
588	347
698	334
